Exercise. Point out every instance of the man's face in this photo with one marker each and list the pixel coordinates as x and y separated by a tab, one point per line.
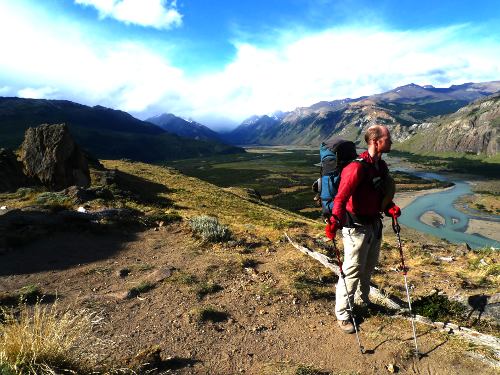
384	143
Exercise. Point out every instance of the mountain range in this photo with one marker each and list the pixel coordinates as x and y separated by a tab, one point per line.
400	109
184	128
104	132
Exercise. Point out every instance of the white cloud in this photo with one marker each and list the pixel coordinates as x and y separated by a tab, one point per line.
153	13
37	93
340	63
58	60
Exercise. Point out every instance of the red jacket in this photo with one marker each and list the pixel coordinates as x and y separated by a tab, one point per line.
356	191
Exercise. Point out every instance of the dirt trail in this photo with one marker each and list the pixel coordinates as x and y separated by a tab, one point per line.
268	330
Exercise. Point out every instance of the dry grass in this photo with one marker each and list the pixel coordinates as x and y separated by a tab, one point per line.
42	340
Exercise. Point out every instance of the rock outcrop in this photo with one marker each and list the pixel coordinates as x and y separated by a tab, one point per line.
11	172
50	155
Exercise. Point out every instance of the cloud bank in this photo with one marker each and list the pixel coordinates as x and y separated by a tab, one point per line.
42	59
150	13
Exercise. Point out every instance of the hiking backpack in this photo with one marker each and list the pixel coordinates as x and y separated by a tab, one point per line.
334	154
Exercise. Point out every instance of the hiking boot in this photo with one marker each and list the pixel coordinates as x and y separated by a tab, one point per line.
346	326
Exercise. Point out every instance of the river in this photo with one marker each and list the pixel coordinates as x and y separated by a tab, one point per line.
442	203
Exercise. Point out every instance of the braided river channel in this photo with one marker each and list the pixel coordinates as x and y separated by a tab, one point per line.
455	222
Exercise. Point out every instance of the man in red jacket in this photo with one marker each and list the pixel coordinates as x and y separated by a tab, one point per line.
357	210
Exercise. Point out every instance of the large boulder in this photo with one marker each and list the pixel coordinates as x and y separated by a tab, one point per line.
11	172
49	154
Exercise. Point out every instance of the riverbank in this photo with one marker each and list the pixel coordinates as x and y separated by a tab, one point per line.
404	198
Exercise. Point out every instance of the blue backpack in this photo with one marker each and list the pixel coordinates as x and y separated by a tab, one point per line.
334	154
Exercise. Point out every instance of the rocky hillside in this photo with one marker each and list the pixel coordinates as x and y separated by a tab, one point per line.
472	129
398	108
164	298
184	128
104	132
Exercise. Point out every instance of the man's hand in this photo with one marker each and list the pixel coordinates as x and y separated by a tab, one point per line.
331	228
393	211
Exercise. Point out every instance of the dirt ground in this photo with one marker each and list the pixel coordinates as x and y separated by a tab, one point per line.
265	327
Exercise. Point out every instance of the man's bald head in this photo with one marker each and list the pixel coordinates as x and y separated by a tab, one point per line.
374	133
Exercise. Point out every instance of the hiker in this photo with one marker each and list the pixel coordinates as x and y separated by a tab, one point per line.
357	207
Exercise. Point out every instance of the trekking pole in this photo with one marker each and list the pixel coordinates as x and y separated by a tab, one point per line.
397	229
342	275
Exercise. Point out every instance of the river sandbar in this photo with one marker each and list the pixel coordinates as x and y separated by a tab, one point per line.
433	219
490	229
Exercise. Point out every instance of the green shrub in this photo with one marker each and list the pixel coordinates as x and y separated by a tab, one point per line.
53	200
439	308
209	229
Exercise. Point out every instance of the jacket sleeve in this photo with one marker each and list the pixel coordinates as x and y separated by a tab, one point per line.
350	178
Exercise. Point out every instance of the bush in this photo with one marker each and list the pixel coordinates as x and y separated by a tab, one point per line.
40	340
209	229
439	308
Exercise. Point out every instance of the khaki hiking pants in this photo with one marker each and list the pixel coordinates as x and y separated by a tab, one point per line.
361	252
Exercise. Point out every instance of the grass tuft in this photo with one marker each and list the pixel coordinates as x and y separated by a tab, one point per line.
141	288
207	288
209	229
41	340
309	370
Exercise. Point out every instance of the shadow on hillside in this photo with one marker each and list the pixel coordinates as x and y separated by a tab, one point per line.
61	250
37	239
143	190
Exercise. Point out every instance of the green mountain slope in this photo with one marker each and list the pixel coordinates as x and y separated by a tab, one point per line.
104	132
472	129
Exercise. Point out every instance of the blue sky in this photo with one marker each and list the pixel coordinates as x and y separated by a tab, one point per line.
219	62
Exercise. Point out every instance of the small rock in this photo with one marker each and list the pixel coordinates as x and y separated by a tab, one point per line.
392	368
161	274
